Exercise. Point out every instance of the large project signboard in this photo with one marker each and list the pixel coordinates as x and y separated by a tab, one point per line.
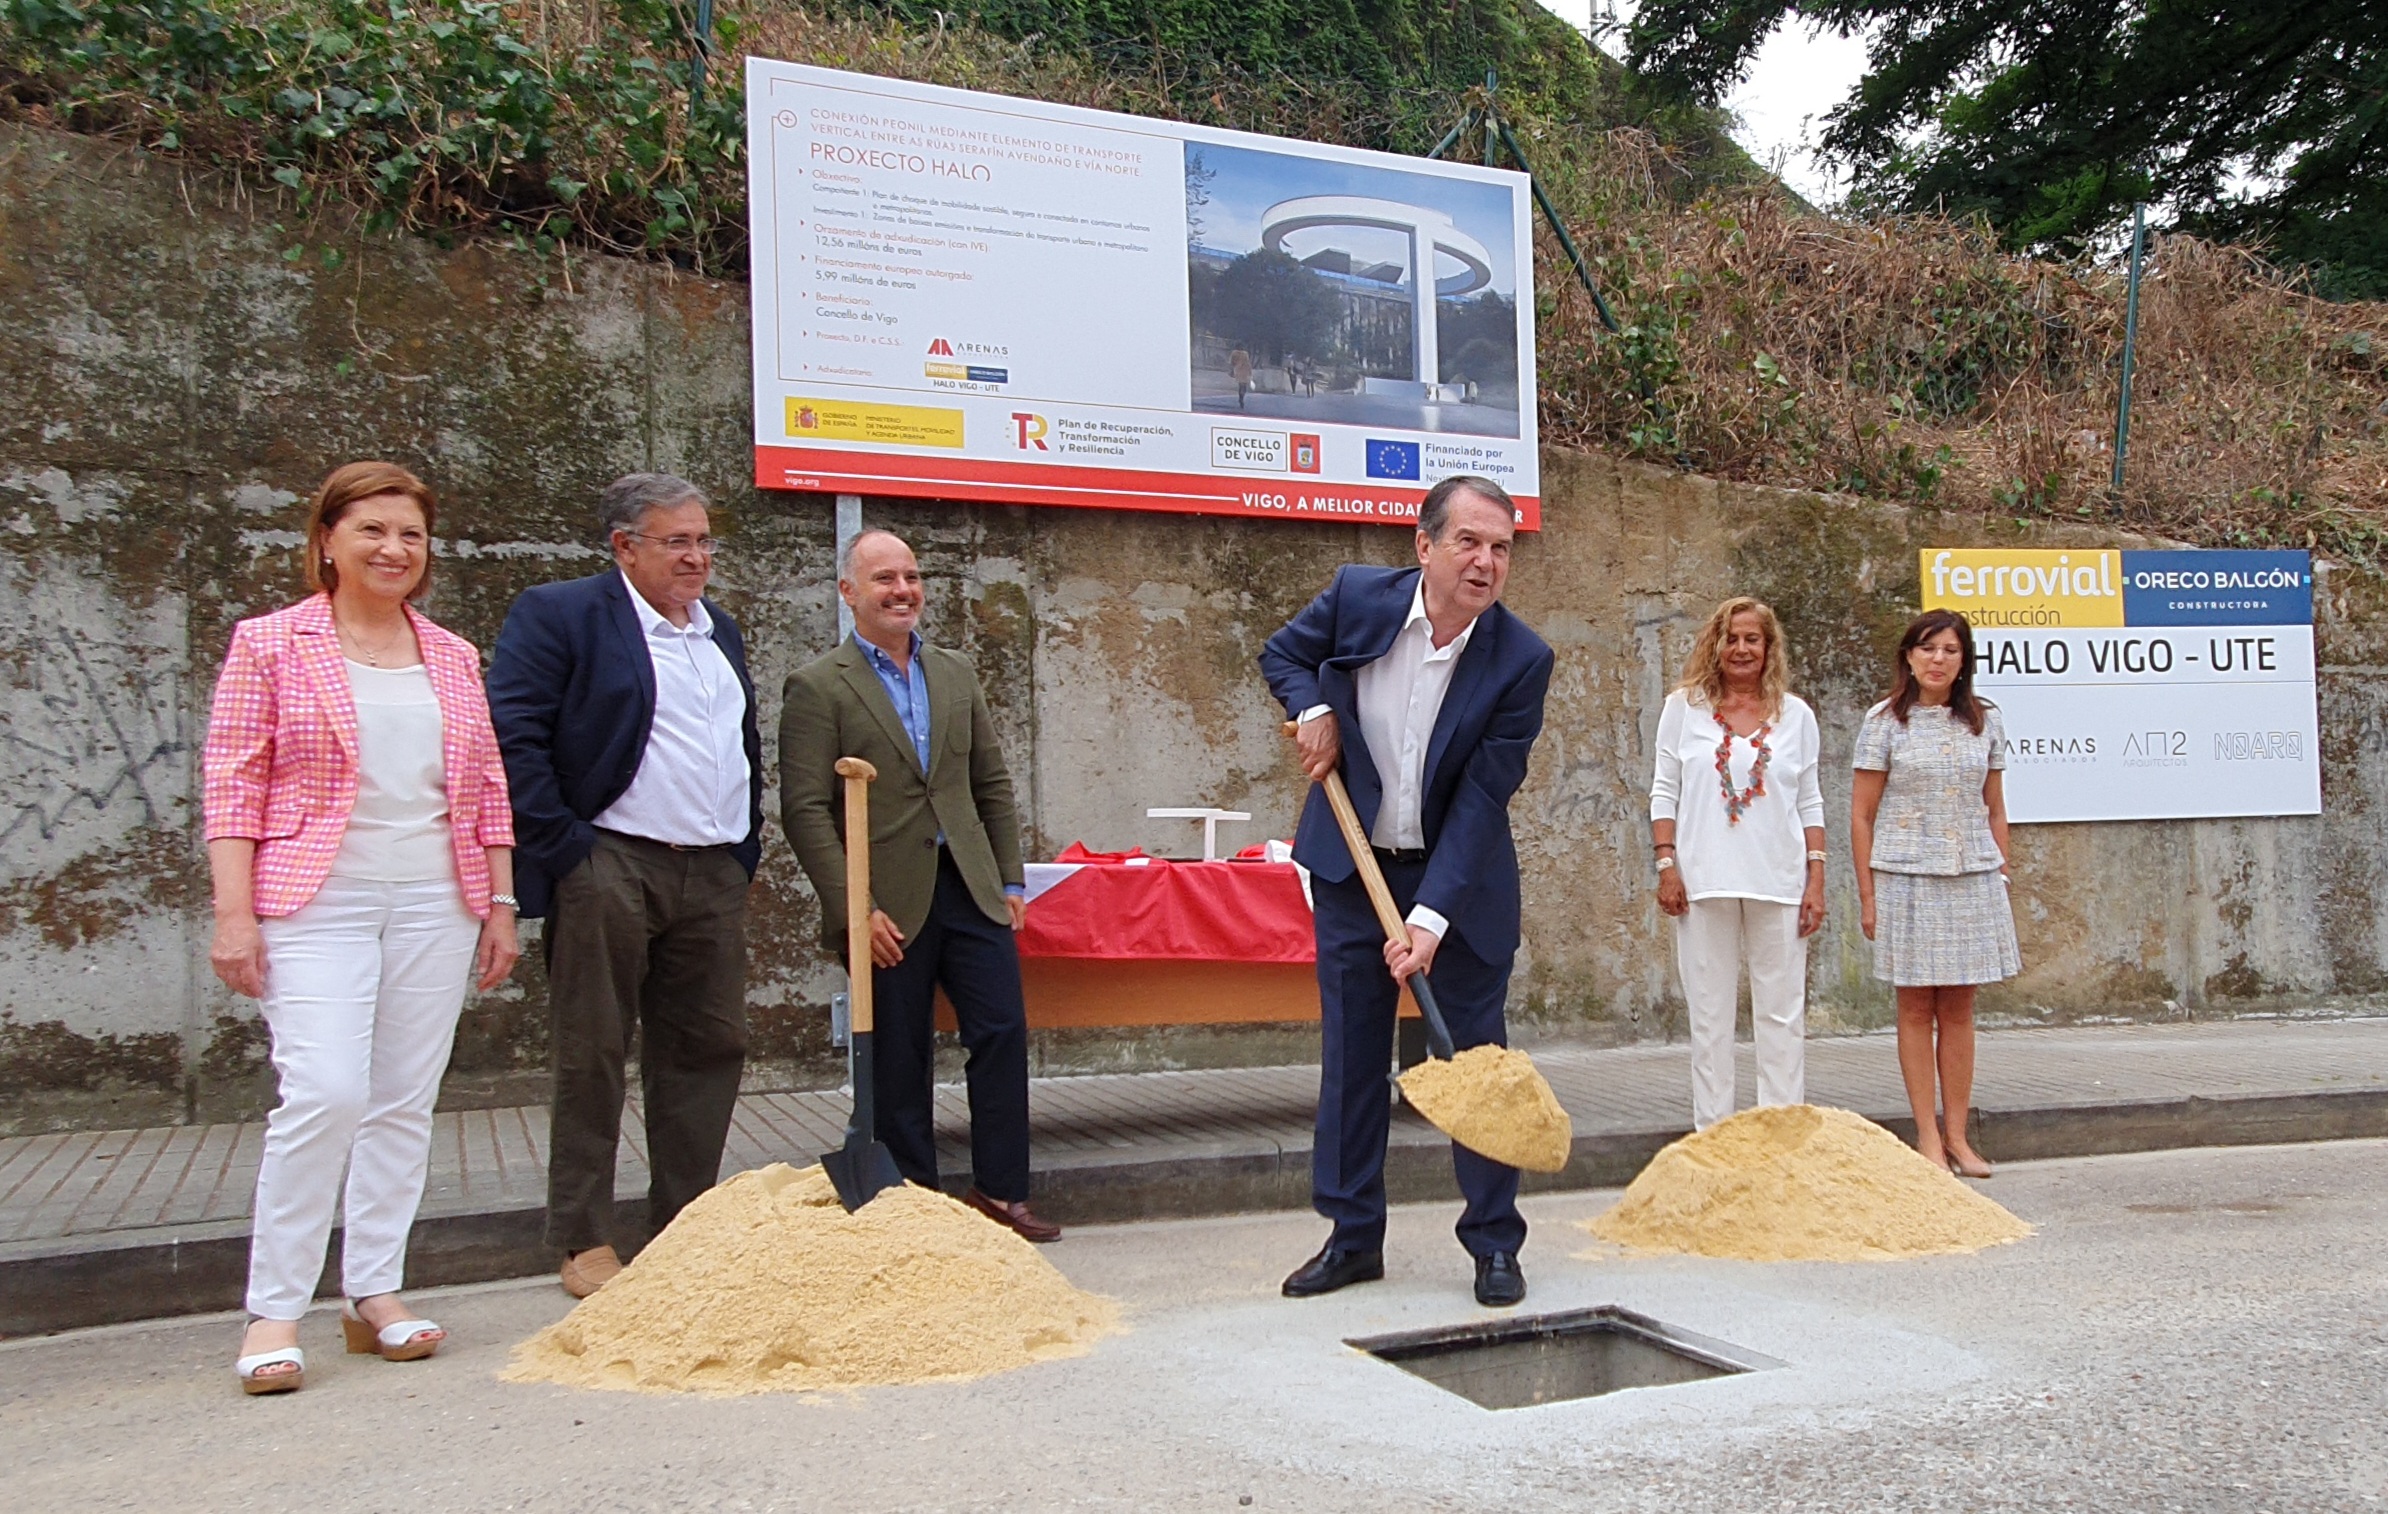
967	296
2143	685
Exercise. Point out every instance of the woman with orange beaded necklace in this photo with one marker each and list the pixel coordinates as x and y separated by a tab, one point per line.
1737	823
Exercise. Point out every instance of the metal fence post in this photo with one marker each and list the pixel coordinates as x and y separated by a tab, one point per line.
2122	409
696	59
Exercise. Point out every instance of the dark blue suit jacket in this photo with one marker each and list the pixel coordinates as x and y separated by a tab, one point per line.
1475	761
572	694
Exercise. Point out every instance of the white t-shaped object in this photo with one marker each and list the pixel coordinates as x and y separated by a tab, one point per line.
1210	819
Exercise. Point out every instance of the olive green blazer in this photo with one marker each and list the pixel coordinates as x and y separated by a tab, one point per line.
836	707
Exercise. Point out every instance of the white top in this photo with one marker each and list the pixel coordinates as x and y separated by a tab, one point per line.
398	832
1400	694
692	782
1764	855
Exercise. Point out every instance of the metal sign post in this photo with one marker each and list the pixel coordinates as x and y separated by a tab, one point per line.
1496	132
849	526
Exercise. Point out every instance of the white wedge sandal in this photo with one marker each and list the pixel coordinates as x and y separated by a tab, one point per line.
405	1340
254	1378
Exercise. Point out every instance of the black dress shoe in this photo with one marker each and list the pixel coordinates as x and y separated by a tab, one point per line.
1334	1268
1499	1282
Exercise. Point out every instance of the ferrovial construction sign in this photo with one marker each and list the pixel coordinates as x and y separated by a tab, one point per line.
2143	685
973	297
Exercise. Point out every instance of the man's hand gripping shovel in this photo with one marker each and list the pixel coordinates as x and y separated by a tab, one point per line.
1490	1099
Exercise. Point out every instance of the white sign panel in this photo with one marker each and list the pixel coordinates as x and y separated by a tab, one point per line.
2144	685
969	296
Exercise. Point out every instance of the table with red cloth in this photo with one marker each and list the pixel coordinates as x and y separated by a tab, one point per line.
1122	939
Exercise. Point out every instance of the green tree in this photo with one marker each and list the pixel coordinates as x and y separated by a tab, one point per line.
1477	338
1275	308
2261	120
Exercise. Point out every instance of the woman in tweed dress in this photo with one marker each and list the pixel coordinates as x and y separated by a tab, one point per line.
1928	832
361	843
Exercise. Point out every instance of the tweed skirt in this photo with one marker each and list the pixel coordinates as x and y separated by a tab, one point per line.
1937	931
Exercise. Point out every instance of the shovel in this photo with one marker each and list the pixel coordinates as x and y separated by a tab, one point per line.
864	1167
1388	914
1506	1110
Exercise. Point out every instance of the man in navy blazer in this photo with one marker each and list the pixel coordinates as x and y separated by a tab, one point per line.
627	721
1427	695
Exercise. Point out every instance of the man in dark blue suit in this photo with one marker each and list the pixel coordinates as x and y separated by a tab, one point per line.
627	720
1427	694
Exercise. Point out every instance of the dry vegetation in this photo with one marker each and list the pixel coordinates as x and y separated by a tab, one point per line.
1914	360
1908	360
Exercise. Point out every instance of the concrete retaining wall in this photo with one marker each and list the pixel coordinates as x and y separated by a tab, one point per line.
183	365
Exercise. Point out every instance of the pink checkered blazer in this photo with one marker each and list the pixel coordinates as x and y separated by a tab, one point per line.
280	766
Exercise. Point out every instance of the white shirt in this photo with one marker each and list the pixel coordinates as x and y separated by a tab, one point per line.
398	832
691	787
1400	694
1765	854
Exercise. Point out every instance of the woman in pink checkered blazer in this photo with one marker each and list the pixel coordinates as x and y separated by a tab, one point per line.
361	842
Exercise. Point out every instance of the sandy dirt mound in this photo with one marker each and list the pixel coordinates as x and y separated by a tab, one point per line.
1798	1182
767	1285
1492	1101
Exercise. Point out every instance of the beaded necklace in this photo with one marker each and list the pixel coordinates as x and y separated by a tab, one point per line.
1736	803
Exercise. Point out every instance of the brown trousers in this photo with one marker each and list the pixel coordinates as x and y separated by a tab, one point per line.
645	940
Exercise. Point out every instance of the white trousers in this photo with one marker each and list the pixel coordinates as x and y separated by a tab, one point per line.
1711	943
362	989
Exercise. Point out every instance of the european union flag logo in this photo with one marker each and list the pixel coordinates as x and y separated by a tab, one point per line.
1392	459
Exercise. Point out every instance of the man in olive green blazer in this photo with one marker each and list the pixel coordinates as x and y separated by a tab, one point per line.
948	891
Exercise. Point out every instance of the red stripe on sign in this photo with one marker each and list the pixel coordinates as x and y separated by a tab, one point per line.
990	482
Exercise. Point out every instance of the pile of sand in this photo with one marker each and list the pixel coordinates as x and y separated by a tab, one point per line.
767	1285
1796	1182
1492	1101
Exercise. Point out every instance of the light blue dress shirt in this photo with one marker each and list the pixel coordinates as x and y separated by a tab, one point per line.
908	689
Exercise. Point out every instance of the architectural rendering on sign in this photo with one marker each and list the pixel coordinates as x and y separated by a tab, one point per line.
1355	294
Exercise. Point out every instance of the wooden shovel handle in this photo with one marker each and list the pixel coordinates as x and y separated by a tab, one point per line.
858	775
1388	914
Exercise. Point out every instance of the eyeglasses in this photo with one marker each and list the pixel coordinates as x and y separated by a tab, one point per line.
677	545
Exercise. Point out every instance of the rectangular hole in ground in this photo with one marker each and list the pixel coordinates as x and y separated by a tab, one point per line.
1550	1358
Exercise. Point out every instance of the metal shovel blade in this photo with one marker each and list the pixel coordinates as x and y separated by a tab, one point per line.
860	1170
863	1168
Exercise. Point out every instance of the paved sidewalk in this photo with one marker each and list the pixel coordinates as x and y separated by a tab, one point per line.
101	1225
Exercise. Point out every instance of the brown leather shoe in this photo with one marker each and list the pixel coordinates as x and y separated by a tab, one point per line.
587	1271
1018	1216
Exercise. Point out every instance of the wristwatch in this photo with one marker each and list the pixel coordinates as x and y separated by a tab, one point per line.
507	900
1665	863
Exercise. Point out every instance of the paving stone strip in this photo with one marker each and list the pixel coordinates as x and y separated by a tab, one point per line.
100	1225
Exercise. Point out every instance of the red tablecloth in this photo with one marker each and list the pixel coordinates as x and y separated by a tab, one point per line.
1168	911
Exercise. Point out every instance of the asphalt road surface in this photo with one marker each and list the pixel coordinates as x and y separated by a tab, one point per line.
2203	1330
